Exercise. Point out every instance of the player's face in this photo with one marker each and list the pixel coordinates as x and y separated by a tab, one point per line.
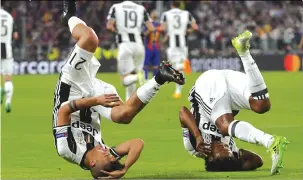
103	155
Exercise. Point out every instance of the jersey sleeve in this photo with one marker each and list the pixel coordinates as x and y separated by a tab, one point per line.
163	18
112	13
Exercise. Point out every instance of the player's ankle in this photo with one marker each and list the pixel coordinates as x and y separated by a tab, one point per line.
159	79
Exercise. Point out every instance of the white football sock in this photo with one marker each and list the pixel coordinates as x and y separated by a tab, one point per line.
246	132
9	88
255	79
178	89
148	90
130	79
130	89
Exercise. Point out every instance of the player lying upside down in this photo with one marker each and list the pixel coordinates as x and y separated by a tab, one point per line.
219	153
218	94
76	121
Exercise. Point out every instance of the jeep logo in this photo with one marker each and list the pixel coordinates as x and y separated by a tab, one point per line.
211	127
85	126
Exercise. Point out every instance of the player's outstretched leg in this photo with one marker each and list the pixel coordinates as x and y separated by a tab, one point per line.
259	103
125	113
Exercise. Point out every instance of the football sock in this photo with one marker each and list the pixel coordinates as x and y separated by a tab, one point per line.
9	88
130	89
130	79
178	89
148	90
246	132
256	84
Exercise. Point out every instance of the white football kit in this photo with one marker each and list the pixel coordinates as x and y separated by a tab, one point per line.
177	22
129	18
7	60
215	93
77	80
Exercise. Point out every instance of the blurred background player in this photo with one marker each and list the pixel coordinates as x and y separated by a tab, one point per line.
126	19
218	94
177	23
7	59
198	141
152	47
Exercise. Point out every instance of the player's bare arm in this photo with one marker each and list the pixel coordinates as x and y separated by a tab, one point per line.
150	28
132	149
187	120
111	25
107	100
85	36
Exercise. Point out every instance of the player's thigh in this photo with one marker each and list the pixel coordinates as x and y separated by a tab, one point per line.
156	58
237	86
221	114
139	55
125	59
7	67
148	57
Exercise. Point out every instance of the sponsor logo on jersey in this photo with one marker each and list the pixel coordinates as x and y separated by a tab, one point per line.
86	127
210	127
211	100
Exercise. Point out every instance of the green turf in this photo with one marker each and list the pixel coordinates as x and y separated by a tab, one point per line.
28	151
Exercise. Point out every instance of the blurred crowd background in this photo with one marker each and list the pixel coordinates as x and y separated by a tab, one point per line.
277	26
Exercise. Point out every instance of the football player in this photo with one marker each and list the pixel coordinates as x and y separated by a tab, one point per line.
218	94
219	152
177	23
76	130
126	20
8	31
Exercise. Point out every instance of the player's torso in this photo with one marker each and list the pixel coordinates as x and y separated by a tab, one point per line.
152	40
6	27
177	21
80	72
85	122
129	20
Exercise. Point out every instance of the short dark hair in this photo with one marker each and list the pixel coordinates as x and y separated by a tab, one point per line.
113	166
176	4
223	164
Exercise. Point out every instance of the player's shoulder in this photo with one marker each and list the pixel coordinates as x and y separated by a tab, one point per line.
5	14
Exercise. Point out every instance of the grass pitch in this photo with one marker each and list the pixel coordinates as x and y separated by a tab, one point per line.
28	151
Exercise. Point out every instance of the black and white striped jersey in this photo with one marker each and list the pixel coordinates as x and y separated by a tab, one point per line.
72	142
177	22
7	23
208	92
129	18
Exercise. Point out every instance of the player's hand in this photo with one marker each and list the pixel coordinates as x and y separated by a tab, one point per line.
109	100
114	174
203	149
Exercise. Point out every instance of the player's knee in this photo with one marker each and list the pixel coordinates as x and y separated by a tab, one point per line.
223	129
261	106
126	117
